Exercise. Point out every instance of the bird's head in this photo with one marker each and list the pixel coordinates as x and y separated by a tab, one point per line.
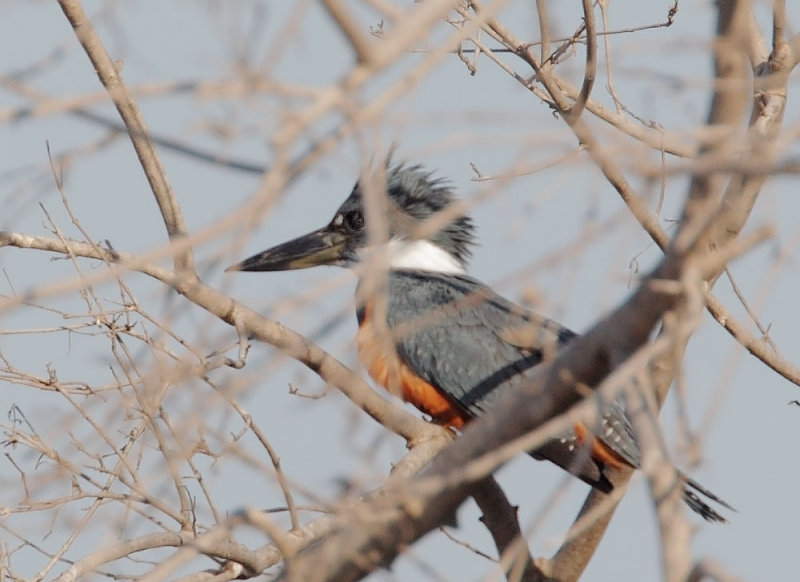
423	229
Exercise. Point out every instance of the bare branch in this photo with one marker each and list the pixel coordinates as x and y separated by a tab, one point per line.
501	520
111	79
351	29
430	500
259	327
591	62
544	30
125	444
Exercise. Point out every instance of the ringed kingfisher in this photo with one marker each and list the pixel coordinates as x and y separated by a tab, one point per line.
458	345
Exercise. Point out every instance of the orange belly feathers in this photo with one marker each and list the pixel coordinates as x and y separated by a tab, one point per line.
398	379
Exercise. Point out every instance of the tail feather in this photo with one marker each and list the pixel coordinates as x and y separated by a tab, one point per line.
691	489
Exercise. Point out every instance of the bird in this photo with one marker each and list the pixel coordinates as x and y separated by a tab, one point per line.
456	346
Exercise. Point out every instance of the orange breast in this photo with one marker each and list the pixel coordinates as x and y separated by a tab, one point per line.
391	373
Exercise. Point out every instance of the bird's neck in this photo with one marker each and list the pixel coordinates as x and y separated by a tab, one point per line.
414	255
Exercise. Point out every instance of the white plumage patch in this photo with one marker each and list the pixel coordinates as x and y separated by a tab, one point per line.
417	255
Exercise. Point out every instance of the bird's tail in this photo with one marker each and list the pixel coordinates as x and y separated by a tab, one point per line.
693	494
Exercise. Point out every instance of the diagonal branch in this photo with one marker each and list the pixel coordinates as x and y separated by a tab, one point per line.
393	417
500	518
591	62
111	78
726	113
392	522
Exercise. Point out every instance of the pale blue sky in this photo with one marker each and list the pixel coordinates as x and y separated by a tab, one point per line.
448	121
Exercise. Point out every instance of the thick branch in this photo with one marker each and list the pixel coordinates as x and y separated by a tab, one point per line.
500	518
389	524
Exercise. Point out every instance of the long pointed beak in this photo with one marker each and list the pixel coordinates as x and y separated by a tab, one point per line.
321	247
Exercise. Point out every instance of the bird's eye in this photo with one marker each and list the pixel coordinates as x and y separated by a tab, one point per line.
354	220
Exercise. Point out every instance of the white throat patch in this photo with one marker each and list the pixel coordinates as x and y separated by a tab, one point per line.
417	255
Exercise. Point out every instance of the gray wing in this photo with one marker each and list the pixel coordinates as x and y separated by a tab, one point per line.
464	339
474	346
